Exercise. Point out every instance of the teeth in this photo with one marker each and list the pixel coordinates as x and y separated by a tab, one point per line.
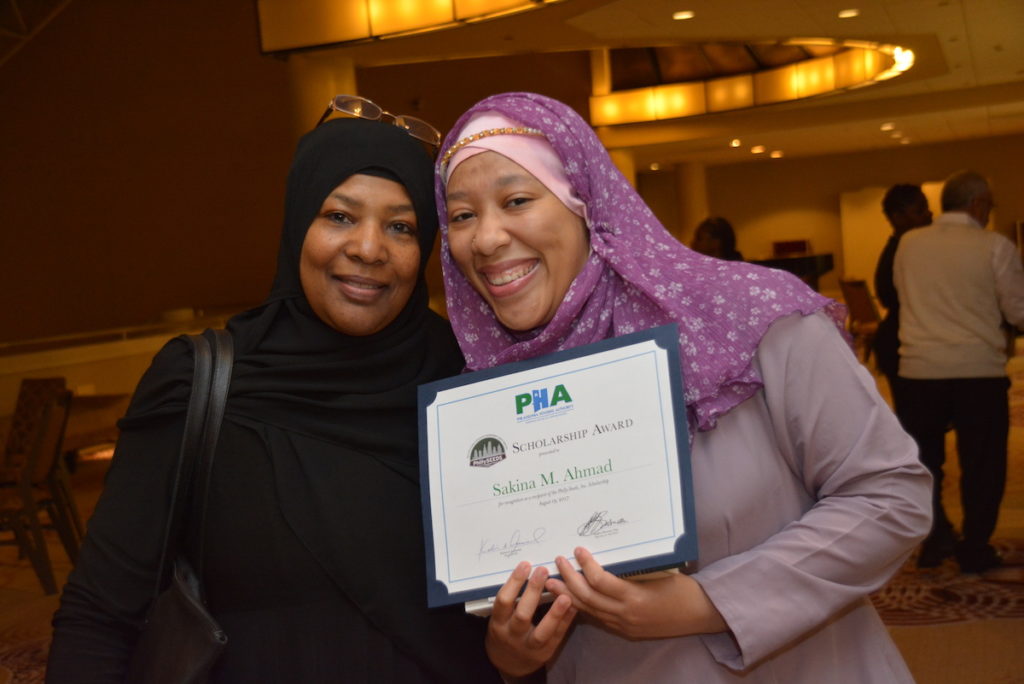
362	286
509	276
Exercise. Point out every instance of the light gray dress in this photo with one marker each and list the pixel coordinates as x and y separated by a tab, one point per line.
809	496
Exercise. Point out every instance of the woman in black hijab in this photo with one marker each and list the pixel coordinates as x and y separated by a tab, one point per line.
314	560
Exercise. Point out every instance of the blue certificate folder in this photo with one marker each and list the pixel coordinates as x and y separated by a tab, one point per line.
583	447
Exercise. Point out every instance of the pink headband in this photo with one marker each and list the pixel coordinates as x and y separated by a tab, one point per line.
525	146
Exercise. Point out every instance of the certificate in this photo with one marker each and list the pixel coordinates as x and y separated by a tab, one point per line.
584	447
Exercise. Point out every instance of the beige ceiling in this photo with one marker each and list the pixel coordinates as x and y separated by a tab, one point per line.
968	80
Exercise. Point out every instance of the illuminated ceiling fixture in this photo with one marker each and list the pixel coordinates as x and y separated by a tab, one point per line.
291	25
757	149
888	126
828	66
684	14
735	142
655	166
849	13
904	141
902	60
776	154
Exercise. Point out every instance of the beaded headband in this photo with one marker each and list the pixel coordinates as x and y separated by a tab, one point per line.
507	130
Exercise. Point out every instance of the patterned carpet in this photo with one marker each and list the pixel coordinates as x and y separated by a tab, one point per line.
942	595
917	597
25	639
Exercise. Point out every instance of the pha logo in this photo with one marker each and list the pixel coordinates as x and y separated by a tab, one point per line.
540	401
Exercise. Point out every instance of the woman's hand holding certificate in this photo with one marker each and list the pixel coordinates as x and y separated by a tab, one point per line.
514	644
673	605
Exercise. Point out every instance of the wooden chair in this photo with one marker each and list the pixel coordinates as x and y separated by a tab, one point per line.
863	319
33	395
29	491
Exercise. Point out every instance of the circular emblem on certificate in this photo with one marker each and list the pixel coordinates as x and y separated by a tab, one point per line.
486	451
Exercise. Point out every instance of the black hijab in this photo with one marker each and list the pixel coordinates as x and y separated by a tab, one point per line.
291	369
336	414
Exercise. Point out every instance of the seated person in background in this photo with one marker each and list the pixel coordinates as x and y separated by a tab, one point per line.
906	207
808	494
715	237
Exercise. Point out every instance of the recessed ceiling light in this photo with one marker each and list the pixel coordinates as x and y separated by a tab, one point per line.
757	149
888	126
896	134
849	13
735	142
683	14
904	141
655	166
776	154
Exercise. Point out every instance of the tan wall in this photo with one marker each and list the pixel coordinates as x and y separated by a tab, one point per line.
799	198
144	150
661	191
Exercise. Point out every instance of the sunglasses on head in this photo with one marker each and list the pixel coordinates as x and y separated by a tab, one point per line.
353	105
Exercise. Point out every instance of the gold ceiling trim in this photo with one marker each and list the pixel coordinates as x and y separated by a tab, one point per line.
860	63
291	25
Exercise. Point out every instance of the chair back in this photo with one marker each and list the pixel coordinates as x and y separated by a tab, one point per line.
49	439
33	396
859	302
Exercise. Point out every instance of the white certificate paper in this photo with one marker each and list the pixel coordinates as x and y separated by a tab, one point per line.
586	447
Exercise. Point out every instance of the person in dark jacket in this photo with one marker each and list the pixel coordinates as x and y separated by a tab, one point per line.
906	208
314	551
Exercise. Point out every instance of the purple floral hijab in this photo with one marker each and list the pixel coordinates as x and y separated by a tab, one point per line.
637	277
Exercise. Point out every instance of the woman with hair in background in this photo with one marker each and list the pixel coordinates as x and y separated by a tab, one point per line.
716	238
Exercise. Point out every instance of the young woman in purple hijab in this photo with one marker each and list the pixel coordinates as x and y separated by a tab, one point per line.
808	494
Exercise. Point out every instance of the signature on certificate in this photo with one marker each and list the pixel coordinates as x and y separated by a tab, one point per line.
516	543
599	525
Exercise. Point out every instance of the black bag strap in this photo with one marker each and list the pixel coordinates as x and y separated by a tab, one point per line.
223	357
211	378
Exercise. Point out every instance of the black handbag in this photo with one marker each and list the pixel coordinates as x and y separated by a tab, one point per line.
180	641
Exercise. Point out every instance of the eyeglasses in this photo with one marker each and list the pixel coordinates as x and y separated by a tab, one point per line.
353	105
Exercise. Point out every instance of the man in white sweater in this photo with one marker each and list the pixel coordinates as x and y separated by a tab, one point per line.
959	286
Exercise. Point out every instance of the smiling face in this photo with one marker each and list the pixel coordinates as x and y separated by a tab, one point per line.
360	256
513	240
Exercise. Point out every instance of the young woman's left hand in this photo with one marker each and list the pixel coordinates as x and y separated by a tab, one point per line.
675	605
